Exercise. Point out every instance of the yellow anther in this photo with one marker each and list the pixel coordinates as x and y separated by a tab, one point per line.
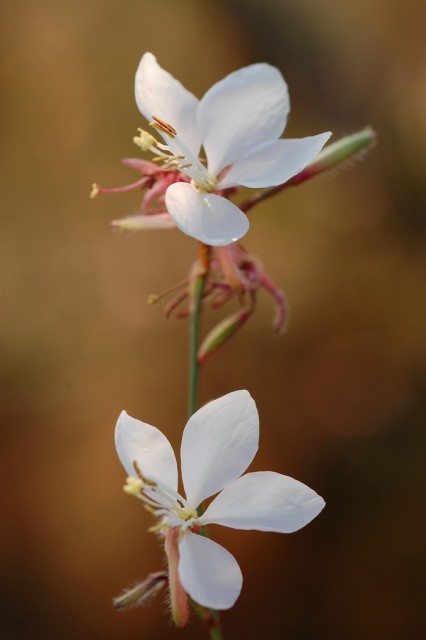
95	190
158	527
144	140
186	514
153	298
149	509
133	486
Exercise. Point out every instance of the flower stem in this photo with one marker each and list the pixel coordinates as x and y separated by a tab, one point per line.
210	617
198	287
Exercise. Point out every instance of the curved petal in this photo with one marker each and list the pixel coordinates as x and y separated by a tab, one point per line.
205	216
208	572
159	94
274	163
144	222
218	443
265	501
245	109
140	442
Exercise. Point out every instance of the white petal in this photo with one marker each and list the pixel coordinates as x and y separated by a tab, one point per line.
265	501
205	216
246	108
208	572
218	443
144	222
140	442
274	163
159	94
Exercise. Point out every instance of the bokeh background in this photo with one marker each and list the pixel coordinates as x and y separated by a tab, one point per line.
340	395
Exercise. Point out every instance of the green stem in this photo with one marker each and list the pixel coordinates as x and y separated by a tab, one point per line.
194	340
210	617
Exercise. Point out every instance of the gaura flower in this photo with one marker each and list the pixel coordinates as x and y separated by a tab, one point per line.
238	122
219	442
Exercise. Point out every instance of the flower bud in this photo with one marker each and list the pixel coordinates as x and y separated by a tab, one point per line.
178	597
142	593
349	147
222	332
143	221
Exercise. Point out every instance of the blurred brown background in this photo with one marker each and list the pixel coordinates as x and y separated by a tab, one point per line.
340	395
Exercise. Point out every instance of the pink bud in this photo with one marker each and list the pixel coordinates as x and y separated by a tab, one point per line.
142	593
178	597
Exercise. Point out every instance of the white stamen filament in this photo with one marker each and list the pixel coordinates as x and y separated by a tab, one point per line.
154	493
166	490
175	155
177	511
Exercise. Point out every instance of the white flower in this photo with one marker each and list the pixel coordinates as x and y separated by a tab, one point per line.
219	442
238	122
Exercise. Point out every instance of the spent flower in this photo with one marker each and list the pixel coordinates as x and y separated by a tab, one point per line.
219	441
232	274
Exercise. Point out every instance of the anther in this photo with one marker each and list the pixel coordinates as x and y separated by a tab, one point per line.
145	480
149	509
163	126
96	189
145	140
158	527
133	486
154	298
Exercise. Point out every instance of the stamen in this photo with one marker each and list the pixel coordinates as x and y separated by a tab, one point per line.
187	514
155	298
161	526
139	184
160	488
175	155
148	508
95	190
133	486
163	126
145	140
145	480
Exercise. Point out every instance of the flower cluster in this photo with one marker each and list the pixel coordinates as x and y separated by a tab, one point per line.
206	151
219	442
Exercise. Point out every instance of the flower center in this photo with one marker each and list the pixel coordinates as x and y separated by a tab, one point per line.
175	155
186	514
161	501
